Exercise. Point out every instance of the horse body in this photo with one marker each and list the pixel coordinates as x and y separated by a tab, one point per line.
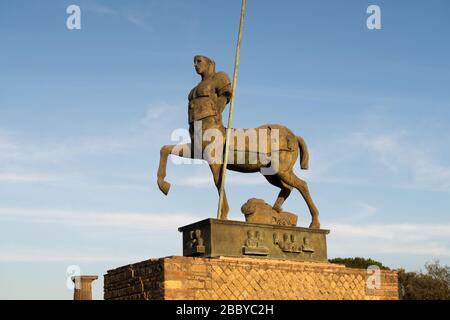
277	148
258	145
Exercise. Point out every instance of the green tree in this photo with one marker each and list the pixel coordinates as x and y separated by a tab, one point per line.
438	272
434	284
358	263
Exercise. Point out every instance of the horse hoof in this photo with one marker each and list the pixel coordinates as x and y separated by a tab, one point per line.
314	225
278	209
164	187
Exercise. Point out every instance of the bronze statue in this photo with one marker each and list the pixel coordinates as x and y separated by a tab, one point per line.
207	101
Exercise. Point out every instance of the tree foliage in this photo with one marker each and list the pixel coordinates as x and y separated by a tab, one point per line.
358	263
434	284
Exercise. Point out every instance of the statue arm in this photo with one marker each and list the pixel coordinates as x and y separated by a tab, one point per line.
222	102
223	90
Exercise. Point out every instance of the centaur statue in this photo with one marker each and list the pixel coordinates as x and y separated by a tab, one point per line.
207	101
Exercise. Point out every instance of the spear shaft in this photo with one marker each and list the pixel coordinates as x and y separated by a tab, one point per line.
230	116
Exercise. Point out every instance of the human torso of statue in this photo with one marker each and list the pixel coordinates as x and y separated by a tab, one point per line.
209	98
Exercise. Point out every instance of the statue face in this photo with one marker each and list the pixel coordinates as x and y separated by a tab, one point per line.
201	65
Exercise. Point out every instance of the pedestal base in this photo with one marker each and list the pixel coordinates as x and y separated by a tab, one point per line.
188	278
225	238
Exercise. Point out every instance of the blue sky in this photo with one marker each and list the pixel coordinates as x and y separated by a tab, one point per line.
83	115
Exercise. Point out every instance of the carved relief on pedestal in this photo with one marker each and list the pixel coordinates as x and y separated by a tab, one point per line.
254	245
195	244
288	243
306	247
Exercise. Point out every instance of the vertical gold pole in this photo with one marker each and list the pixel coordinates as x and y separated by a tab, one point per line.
230	117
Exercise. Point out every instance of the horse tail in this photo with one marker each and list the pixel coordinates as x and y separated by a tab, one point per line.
304	154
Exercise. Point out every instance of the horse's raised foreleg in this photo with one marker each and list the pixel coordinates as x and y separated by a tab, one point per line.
178	150
216	170
164	155
291	179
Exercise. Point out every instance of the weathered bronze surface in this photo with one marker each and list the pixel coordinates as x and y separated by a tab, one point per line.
214	238
207	101
258	211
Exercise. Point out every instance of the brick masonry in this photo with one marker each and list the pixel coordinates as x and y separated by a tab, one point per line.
188	278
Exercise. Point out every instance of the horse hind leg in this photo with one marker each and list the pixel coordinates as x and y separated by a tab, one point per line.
282	196
284	192
291	179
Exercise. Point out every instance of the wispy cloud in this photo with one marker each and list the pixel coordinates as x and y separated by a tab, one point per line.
19	177
162	111
394	153
410	232
400	153
153	127
13	151
328	95
98	8
202	181
104	219
407	239
63	160
135	17
362	212
38	256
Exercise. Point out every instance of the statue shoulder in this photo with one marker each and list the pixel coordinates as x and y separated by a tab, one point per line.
222	85
222	78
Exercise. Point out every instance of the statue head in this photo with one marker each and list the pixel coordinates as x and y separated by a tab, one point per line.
204	65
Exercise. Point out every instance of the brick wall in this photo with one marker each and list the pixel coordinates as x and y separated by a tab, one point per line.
243	278
140	281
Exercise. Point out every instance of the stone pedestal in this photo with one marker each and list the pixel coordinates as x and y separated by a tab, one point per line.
246	261
216	238
190	278
83	287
